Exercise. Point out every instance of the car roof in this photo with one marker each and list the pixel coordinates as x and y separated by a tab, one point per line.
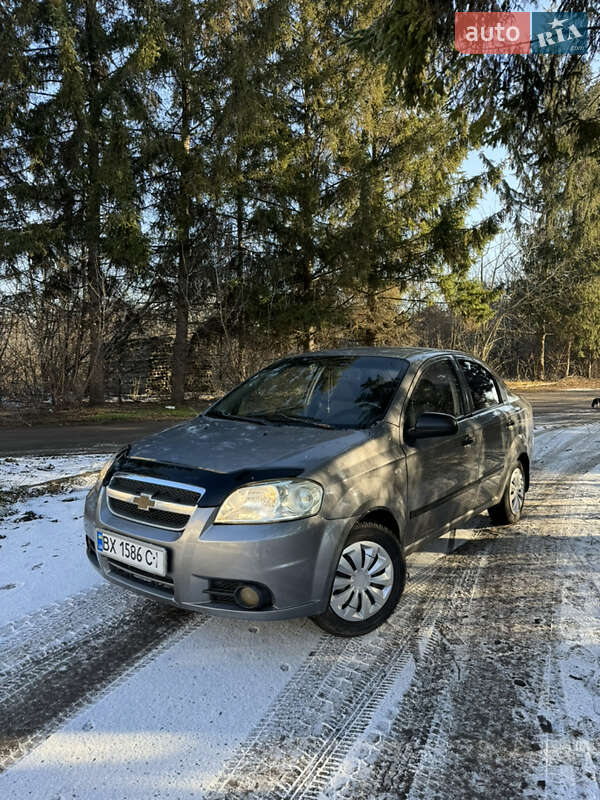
407	353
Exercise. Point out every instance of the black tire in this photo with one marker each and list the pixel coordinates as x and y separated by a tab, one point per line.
508	511
368	532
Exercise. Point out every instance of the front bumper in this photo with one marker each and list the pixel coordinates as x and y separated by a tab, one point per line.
295	560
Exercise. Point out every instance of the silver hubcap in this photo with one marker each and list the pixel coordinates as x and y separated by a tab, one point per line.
363	581
516	492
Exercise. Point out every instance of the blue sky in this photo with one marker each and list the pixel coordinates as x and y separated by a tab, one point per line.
490	204
473	165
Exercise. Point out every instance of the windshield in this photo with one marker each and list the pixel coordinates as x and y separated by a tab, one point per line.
327	391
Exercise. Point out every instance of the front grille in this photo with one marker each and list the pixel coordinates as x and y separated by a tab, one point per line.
143	579
160	491
152	501
163	519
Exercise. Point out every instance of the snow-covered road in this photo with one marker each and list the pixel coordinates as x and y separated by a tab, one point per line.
484	683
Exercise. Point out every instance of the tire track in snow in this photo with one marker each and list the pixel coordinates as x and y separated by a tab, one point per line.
572	691
479	742
305	735
292	754
482	729
69	657
43	632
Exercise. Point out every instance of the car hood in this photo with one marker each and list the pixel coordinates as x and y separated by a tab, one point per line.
230	446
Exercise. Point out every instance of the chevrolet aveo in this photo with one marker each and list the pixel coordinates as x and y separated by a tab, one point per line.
301	492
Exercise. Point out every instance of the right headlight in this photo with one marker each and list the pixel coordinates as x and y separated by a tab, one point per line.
271	501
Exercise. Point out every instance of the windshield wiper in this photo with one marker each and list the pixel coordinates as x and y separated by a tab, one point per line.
237	417
312	422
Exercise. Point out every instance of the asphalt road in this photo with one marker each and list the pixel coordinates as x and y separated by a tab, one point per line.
556	402
568	407
54	440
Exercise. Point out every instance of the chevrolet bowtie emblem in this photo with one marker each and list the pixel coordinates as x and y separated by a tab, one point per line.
144	502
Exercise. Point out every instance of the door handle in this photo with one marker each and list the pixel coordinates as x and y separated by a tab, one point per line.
467	440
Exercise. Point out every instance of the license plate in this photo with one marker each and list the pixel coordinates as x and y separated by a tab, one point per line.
137	554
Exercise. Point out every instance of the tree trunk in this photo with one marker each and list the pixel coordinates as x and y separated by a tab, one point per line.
365	265
179	355
568	367
307	334
307	338
239	267
95	287
96	372
543	357
370	332
308	206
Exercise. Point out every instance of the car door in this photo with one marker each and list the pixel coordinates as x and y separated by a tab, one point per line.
442	472
491	420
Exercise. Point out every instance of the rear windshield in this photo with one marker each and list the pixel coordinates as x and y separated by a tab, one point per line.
331	391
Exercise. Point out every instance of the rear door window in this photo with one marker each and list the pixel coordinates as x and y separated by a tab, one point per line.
482	386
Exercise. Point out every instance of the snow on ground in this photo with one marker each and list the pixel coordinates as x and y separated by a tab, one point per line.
274	710
28	471
578	624
42	554
171	720
166	730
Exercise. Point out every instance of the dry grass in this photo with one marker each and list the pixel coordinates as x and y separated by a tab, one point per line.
574	382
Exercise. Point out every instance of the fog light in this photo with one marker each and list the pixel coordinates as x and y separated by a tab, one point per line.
252	597
247	597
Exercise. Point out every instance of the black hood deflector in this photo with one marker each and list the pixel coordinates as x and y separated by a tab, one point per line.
217	485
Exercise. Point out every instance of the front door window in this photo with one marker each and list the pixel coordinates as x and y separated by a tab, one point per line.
438	390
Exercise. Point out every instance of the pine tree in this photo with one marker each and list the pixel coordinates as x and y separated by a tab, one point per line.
562	245
312	88
72	111
364	193
246	135
406	206
182	157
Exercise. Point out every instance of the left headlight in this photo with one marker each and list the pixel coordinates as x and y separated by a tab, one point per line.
272	501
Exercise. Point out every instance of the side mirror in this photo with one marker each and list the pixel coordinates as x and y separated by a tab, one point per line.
432	424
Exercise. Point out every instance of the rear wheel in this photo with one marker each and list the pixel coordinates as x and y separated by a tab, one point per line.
509	509
368	582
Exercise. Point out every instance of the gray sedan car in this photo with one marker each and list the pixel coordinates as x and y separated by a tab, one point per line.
301	491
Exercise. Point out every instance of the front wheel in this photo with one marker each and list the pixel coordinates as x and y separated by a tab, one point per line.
369	579
509	509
